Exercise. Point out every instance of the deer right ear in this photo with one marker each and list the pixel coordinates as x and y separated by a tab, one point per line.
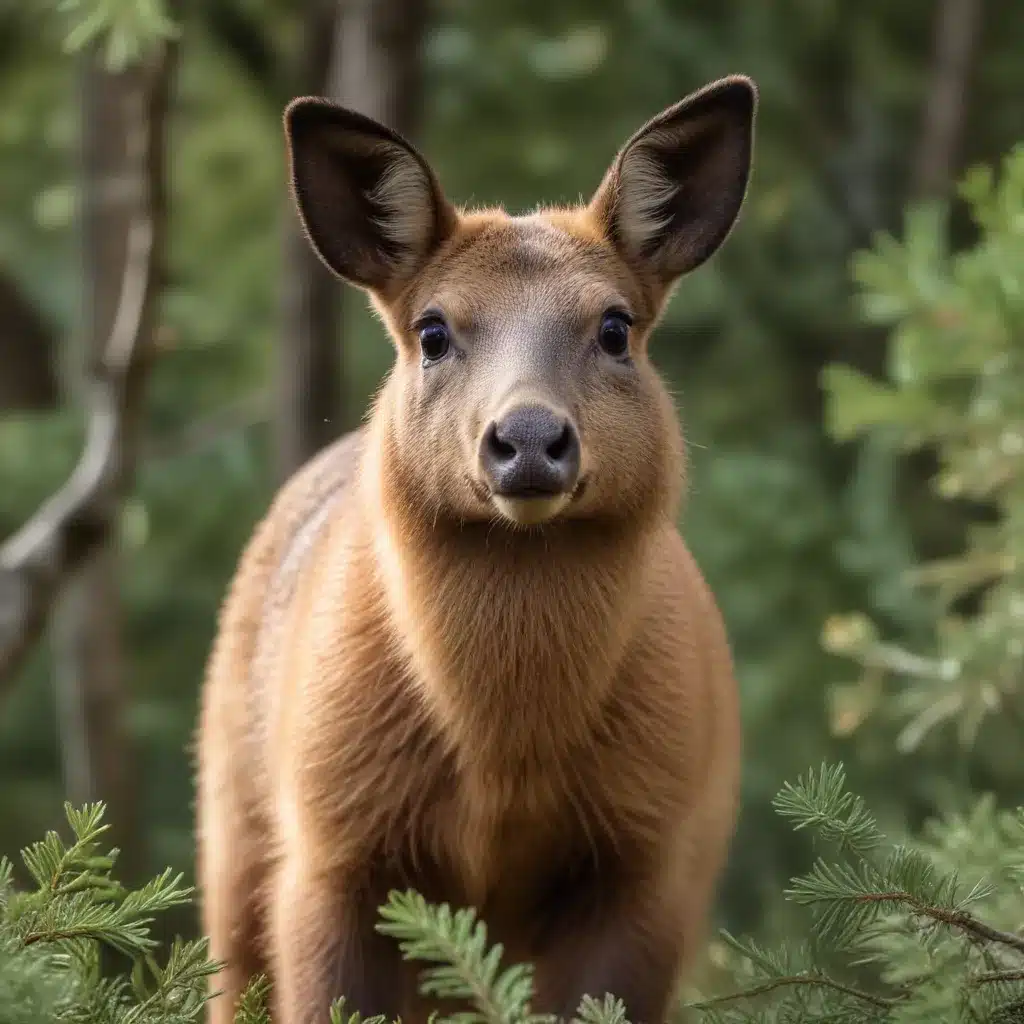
675	190
369	202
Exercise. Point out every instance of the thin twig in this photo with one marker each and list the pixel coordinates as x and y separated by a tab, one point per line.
998	976
78	517
818	980
953	918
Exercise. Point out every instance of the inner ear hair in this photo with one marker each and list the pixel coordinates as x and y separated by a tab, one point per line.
674	192
368	200
404	219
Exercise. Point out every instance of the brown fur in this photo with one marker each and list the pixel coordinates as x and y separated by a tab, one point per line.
408	688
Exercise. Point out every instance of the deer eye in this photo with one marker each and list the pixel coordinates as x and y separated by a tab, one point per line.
435	341
613	335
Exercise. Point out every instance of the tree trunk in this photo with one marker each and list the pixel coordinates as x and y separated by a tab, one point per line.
957	27
310	380
87	656
364	54
121	181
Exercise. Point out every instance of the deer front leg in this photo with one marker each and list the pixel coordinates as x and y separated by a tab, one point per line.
627	934
325	946
618	957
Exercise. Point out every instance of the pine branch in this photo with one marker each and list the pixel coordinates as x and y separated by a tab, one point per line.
998	977
469	971
252	1004
77	899
338	1015
823	803
924	972
962	920
51	939
813	980
606	1011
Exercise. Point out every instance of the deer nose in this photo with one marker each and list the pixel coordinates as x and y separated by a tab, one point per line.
531	452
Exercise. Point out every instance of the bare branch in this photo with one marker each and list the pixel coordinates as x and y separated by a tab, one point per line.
75	520
957	29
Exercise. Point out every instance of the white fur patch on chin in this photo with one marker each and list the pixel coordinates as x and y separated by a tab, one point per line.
530	511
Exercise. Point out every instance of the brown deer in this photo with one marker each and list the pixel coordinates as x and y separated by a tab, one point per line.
467	650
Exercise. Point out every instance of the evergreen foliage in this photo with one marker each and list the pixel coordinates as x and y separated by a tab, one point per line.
124	29
898	932
468	969
57	935
954	384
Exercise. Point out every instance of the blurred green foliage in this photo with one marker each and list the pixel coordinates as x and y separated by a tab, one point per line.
924	927
526	102
955	383
125	30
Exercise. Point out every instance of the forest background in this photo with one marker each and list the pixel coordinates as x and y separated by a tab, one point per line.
248	358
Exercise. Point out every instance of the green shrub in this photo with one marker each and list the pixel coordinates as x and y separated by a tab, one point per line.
896	932
956	388
53	938
918	932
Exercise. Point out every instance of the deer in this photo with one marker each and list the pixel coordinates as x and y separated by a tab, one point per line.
467	650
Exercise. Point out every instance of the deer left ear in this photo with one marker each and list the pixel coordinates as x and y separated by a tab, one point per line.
675	190
370	203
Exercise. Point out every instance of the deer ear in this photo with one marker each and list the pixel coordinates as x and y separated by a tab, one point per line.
673	193
369	202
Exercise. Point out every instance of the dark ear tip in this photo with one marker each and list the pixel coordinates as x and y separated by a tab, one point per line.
310	113
301	110
737	90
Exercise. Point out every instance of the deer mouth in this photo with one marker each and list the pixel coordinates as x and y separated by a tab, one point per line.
523	510
529	506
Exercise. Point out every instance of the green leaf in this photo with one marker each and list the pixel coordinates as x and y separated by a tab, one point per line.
857	404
